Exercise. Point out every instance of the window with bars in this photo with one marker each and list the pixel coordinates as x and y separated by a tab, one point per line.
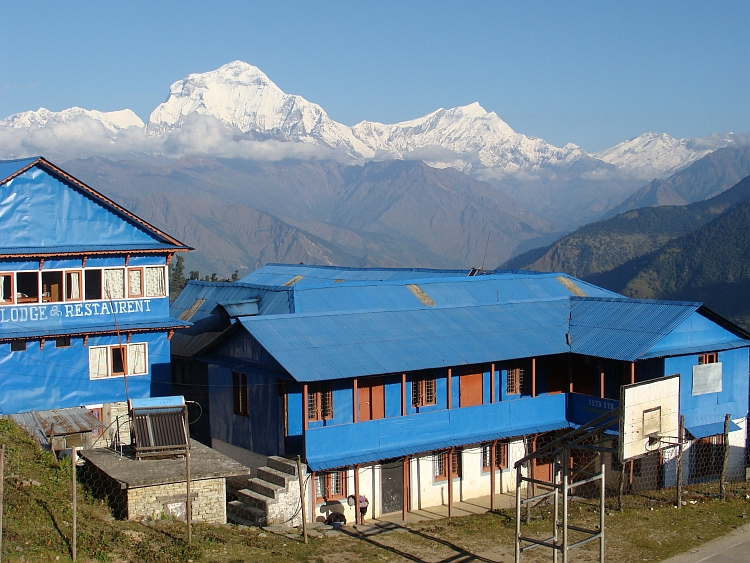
320	401
423	390
501	456
330	485
515	380
441	464
239	392
711	358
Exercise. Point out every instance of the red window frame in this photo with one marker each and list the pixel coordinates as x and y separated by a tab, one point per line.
320	402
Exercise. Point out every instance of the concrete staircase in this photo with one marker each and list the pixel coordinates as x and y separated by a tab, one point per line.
270	498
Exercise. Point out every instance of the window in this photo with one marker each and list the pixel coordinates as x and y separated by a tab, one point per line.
27	287
320	402
155	282
330	485
423	391
114	284
52	289
73	286
441	464
515	380
62	342
18	345
135	282
112	361
501	456
711	358
93	280
7	293
239	392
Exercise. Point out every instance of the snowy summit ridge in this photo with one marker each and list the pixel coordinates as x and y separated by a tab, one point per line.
248	106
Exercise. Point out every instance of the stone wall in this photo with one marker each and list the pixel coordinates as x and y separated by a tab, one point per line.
208	496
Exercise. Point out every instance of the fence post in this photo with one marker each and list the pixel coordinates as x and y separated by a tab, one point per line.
75	499
726	458
303	500
2	479
680	437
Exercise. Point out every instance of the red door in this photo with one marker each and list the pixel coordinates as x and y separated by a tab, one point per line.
470	386
371	398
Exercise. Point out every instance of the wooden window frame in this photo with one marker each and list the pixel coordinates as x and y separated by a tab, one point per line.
132	295
239	394
123	356
38	288
327	478
320	401
501	456
423	390
440	460
65	285
12	299
514	380
708	358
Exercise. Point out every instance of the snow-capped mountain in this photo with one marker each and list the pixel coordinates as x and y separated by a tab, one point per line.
242	96
254	118
467	138
656	154
112	120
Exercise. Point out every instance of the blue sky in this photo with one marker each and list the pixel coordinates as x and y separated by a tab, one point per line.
591	73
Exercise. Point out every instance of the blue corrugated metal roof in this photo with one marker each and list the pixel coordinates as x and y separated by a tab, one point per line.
10	167
7	250
241	308
280	274
271	301
712	429
339	345
505	287
93	328
623	329
322	463
709	347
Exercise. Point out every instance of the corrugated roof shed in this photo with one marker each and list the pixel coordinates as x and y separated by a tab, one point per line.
339	345
58	422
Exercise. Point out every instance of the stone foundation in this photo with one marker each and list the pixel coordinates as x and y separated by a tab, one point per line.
208	497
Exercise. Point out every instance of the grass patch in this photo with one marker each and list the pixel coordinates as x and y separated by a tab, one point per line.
38	515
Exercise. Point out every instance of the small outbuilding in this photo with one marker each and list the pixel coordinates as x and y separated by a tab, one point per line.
154	488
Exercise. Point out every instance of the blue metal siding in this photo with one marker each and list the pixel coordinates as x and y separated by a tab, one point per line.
393	396
39	210
10	167
54	377
372	440
695	332
711	407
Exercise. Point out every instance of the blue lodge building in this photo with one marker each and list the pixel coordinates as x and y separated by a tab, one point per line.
84	296
422	387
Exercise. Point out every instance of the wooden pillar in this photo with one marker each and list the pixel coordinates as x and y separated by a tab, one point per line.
357	518
493	454
313	495
492	383
632	372
570	376
601	379
450	398
405	504
533	377
305	414
403	394
450	481
355	403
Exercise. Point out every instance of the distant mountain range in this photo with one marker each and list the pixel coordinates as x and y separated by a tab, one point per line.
241	214
696	252
243	99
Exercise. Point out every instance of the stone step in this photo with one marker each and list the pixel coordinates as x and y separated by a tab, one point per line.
284	465
256	500
235	484
264	487
275	476
239	513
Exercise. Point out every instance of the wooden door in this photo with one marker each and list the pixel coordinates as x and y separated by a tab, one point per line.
371	398
470	386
